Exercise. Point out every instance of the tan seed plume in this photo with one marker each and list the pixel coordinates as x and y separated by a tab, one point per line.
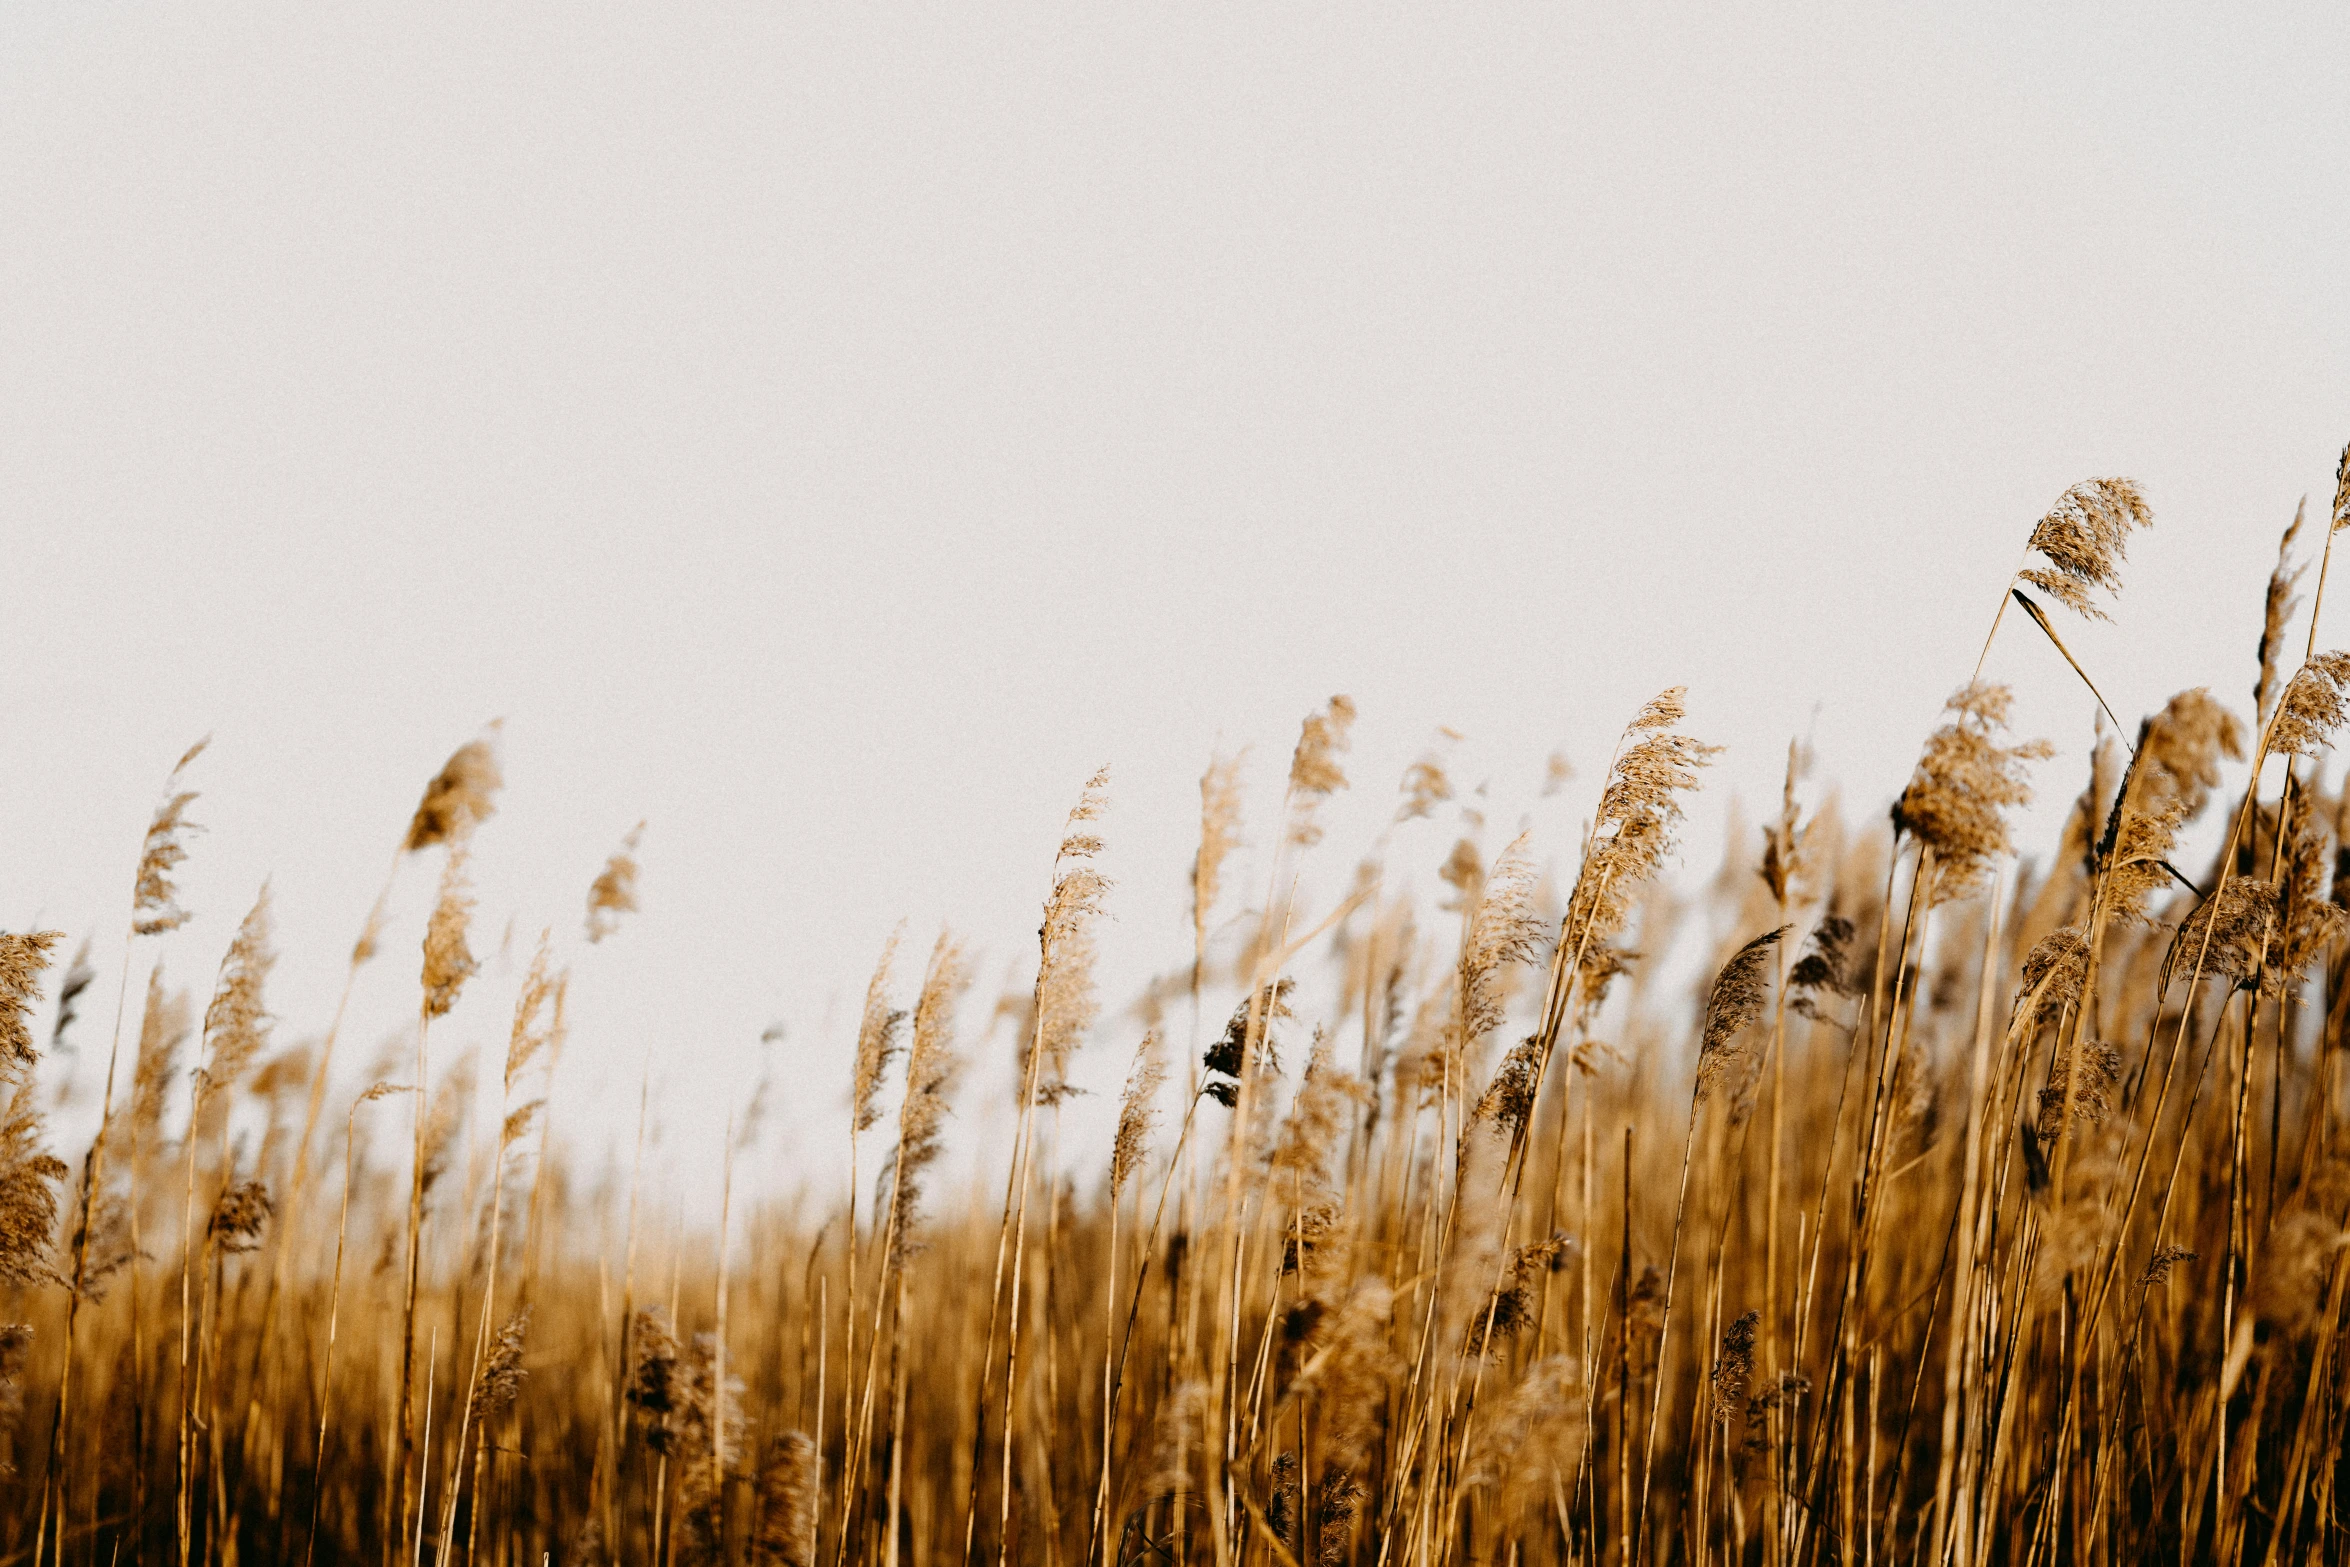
460	797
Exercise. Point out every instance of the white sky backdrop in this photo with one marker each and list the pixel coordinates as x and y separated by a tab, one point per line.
830	432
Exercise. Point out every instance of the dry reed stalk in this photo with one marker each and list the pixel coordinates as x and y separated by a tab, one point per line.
154	910
445	815
532	1034
334	1303
1063	977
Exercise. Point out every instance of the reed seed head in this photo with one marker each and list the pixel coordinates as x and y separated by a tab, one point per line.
154	901
784	1534
1739	992
460	797
880	1029
1965	783
30	1179
613	893
22	960
2316	701
1219	832
2082	540
1314	773
236	1023
1137	1110
448	960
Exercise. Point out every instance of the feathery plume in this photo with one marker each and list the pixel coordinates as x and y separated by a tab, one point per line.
1182	1419
444	1115
1508	1100
1424	788
238	1217
448	961
2060	961
164	1027
461	796
1222	1059
1509	1311
236	1023
1530	1451
1136	1112
1318	1117
2277	617
155	902
613	892
2315	702
1065	1002
1504	930
16	1342
1281	1504
30	1180
1825	967
1733	1367
1783	840
22	958
2083	539
1737	1000
930	1073
1348	1374
2089	1073
2297	1265
1965	782
538	1014
1632	832
2169	782
2228	932
653	1389
502	1373
1219	833
1557	773
879	1029
1314	773
2158	1266
784	1534
1336	1499
2181	748
2307	920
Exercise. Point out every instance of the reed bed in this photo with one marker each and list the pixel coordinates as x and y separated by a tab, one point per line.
1974	1209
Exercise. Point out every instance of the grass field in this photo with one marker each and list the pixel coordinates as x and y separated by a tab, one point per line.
1978	1209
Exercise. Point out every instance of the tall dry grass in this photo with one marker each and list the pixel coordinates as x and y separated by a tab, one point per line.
1973	1210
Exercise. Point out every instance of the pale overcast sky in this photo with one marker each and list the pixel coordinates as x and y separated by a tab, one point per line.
830	432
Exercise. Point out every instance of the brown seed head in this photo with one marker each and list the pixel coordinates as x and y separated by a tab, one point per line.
239	1215
880	1028
1137	1110
1966	781
2316	701
1737	1000
2083	539
502	1373
154	901
1732	1369
448	961
2277	616
784	1533
22	958
461	796
1314	773
236	1023
30	1179
1219	832
613	893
